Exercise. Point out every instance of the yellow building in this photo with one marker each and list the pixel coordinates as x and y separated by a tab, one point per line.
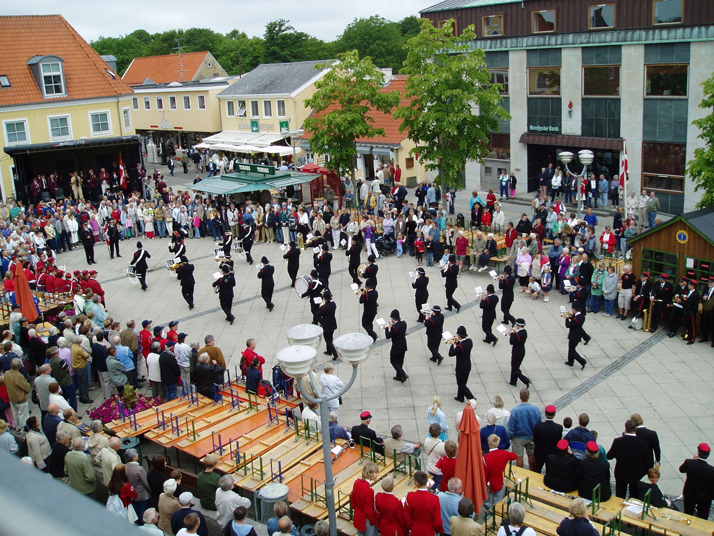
62	108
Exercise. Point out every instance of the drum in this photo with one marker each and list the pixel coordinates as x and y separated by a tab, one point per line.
238	247
131	274
638	323
170	265
302	284
219	254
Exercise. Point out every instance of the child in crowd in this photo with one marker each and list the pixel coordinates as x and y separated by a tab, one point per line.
533	288
400	245
567	425
430	251
447	464
419	247
546	282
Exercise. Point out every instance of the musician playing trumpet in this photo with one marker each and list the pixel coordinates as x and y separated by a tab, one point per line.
368	298
434	327
462	351
397	331
691	307
226	244
488	304
371	271
327	314
353	252
706	323
421	296
265	274
184	273
517	337
293	257
677	310
315	291
662	293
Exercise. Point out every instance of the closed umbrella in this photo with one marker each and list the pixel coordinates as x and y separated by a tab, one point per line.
23	295
469	461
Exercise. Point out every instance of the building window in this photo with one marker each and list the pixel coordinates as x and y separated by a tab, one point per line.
126	114
52	79
699	269
254	109
667	80
454	26
602	17
493	25
545	115
187	102
230	108
135	103
60	128
545	81
500	76
147	103
201	102
601	117
240	112
499	146
159	103
601	81
658	262
4	80
668	11
100	123
663	166
544	21
172	102
16	132
281	108
267	108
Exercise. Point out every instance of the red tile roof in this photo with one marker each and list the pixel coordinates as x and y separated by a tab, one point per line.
24	37
392	135
164	69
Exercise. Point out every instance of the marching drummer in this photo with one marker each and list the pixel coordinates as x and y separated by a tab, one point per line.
314	291
225	285
323	265
265	274
139	264
293	257
248	241
371	271
226	244
369	299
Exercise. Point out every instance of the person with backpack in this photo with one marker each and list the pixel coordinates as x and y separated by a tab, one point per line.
513	526
247	357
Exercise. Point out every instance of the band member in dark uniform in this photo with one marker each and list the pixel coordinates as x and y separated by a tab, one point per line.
314	291
397	332
353	252
328	320
371	271
293	257
699	486
706	324
369	299
113	238
225	285
248	242
434	328
506	283
662	293
451	272
574	323
488	304
421	296
518	338
184	273
641	299
179	234
691	306
139	264
265	274
322	264
86	235
227	243
677	309
462	351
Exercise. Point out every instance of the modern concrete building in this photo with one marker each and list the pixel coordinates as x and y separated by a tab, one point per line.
578	74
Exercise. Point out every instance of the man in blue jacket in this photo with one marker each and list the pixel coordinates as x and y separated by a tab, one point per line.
521	425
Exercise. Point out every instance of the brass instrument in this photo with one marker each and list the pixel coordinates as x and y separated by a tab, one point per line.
301	241
361	290
452	340
655	513
177	265
566	315
648	317
361	270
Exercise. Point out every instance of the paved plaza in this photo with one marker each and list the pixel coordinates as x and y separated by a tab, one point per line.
628	371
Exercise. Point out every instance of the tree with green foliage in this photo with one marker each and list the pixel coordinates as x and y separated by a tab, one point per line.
701	169
452	106
344	96
376	38
283	43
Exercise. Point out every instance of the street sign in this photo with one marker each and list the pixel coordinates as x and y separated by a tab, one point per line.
256	168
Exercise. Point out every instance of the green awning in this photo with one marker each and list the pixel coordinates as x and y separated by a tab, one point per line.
244	182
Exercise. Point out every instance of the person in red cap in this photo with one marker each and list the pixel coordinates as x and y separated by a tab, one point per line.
364	431
691	307
93	284
641	299
706	324
594	470
699	486
84	281
546	435
663	292
562	469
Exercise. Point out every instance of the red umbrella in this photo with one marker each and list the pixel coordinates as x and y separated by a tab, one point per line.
469	461
23	295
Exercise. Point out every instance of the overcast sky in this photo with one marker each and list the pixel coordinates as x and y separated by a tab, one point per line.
325	19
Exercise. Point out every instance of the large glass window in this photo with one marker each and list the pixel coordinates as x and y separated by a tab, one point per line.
544	21
544	81
147	103
267	108
667	80
601	81
52	79
159	103
59	127
658	262
699	269
667	11
172	102
601	117
602	16
663	166
201	102
16	131
127	119
187	102
230	108
500	76
281	108
100	123
454	25
135	103
493	25
499	145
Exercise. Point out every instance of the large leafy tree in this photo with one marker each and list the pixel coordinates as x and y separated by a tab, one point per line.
452	106
377	38
344	96
701	169
283	43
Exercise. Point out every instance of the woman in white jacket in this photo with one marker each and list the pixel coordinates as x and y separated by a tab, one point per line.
331	385
38	447
72	228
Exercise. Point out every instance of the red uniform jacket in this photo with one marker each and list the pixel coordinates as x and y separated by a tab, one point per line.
390	515
511	235
96	287
172	335
496	461
50	283
251	354
423	513
362	499
146	338
84	284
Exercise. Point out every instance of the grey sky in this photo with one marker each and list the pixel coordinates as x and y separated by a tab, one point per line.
325	19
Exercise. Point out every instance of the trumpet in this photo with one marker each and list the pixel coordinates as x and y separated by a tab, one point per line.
361	290
177	265
452	340
654	512
567	314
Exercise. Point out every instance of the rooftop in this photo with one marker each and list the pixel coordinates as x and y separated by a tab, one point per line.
276	79
463	4
701	220
164	69
86	74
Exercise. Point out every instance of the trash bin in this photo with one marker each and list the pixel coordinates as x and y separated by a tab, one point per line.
268	496
460	220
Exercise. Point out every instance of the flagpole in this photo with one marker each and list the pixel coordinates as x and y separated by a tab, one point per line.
624	168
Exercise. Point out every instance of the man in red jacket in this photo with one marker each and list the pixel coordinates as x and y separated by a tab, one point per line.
389	511
94	284
422	510
249	353
495	462
362	499
146	337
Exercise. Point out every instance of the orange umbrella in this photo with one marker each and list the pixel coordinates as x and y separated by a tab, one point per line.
469	461
23	295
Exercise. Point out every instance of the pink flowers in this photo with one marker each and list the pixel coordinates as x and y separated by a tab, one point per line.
110	410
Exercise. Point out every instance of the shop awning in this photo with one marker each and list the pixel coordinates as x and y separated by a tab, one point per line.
582	142
231	137
70	144
249	181
369	149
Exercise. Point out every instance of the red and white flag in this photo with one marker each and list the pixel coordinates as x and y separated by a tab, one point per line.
624	165
122	173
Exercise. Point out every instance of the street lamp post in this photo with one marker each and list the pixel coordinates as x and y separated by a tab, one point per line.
295	134
586	158
296	361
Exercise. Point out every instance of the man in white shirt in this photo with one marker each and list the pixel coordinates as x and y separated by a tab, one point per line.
311	417
234	220
642	208
182	351
109	458
228	500
152	362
